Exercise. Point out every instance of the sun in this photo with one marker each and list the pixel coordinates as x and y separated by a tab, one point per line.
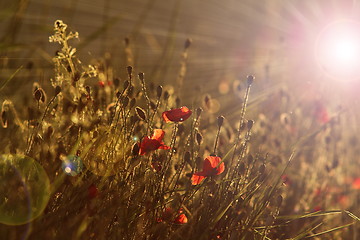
337	50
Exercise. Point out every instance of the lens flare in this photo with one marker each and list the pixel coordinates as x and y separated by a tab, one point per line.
337	50
72	165
24	189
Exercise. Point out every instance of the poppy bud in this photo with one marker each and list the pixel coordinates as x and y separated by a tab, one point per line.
129	71
135	149
116	82
177	101
250	124
37	94
166	95
141	113
199	138
188	43
250	79
220	121
76	77
126	41
141	76
198	112
58	90
159	91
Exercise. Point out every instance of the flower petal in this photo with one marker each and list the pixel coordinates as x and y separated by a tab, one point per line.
148	145
158	135
177	115
197	178
181	219
211	166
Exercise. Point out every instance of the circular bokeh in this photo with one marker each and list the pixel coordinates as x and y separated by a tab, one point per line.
24	189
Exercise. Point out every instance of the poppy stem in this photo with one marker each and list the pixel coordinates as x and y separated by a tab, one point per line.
241	123
216	140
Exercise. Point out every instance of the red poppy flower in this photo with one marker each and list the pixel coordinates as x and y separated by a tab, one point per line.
211	167
176	115
168	215
181	219
356	183
153	143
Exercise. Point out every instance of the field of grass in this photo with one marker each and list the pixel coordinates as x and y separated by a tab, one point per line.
144	131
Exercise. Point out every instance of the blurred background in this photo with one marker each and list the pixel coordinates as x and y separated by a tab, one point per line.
285	44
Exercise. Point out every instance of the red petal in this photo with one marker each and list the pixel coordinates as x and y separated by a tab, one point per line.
211	166
163	146
148	145
197	178
158	135
177	115
181	219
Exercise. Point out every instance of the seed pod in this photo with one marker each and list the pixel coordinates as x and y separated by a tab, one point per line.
166	95
129	71
58	90
116	82
220	121
37	94
177	102
198	112
159	91
141	113
76	77
126	41
199	138
188	43
250	79
141	77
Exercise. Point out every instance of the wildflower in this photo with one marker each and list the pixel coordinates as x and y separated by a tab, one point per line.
211	167
176	115
181	219
356	183
153	143
168	216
